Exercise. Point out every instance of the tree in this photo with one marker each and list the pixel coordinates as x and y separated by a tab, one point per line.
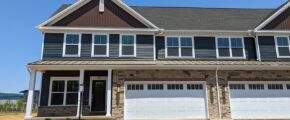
19	104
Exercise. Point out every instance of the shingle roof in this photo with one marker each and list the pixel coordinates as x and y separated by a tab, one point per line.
176	62
187	18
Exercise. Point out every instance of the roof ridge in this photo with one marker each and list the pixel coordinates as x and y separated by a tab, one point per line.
203	7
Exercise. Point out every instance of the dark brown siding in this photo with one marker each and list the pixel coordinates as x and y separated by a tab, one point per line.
89	16
282	22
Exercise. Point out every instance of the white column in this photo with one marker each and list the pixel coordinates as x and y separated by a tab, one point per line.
81	89
29	104
109	93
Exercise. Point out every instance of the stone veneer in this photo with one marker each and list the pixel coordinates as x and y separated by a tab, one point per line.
60	111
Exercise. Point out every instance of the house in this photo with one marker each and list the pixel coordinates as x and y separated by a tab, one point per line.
103	59
10	98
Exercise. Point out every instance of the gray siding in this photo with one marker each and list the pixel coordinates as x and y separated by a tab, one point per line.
160	47
268	50
205	48
250	48
53	48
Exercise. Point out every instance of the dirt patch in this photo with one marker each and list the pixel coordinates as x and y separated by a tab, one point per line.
12	116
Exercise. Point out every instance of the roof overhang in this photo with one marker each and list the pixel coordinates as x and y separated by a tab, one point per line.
206	32
273	16
81	3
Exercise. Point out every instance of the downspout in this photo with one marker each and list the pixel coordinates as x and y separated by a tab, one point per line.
218	93
253	35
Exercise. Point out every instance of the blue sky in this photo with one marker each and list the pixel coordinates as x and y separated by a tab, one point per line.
21	41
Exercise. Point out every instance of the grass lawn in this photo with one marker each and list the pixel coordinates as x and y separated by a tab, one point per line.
12	116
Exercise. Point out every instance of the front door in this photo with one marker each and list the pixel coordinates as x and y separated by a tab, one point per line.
98	96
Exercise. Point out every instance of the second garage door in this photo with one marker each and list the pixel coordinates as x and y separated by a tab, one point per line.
165	100
260	100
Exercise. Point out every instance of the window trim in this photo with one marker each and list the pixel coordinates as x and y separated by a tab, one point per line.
65	88
93	45
230	47
179	47
64	45
121	45
276	46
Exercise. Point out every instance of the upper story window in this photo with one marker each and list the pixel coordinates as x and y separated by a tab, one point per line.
230	47
282	47
64	92
100	47
128	46
179	47
72	45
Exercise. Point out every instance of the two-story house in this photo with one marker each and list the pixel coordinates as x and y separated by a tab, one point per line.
103	59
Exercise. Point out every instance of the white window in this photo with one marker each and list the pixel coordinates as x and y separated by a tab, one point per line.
135	87
282	47
179	47
275	86
230	47
256	86
194	87
64	91
175	86
237	86
100	46
155	86
72	45
128	46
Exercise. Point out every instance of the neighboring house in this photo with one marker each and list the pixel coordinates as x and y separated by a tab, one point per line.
10	98
163	62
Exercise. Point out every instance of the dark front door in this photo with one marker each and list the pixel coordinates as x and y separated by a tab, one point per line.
98	96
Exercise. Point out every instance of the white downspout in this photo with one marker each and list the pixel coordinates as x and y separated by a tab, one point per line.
218	93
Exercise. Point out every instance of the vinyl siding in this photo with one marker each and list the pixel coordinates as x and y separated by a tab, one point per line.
205	48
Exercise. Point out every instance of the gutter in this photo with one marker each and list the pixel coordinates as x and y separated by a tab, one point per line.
218	93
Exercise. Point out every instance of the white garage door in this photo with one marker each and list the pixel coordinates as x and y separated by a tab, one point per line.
165	100
260	100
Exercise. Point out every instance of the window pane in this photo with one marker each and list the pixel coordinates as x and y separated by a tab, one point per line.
72	39
275	86
237	52
288	86
186	52
173	51
58	86
256	86
282	41
57	98
71	98
71	49
186	42
172	42
128	40
223	43
100	49
284	51
100	39
128	50
236	43
72	86
224	52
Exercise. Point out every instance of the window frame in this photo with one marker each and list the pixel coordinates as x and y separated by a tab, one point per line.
230	47
179	47
65	44
121	45
107	45
277	46
65	79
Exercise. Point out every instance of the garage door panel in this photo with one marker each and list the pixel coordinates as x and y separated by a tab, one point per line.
265	103
165	104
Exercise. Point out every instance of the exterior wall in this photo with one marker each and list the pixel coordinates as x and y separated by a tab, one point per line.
205	48
89	16
61	111
268	49
282	22
53	48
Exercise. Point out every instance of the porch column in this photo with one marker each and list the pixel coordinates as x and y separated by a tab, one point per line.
29	104
109	92
81	89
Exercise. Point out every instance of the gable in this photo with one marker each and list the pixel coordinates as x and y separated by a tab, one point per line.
89	16
281	22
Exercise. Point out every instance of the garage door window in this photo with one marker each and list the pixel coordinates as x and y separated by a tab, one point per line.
237	86
275	86
288	86
194	87
135	87
175	87
256	86
155	86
